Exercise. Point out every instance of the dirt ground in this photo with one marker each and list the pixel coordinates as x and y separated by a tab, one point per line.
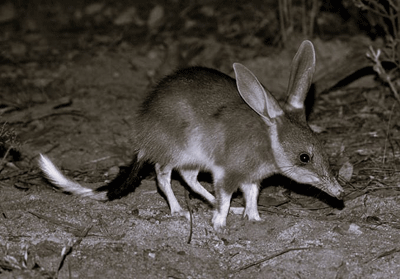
72	97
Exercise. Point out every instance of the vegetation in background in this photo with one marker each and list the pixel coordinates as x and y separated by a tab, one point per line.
385	14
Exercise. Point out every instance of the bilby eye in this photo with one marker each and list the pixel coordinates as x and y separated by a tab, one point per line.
304	158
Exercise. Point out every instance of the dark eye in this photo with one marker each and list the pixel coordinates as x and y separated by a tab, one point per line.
304	158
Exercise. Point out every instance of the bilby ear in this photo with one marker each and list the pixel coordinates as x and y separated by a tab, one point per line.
301	75
255	95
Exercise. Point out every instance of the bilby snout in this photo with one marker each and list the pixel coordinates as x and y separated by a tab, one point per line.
336	190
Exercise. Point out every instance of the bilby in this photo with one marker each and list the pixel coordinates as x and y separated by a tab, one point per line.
199	119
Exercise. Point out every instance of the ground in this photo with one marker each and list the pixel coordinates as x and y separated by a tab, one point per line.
73	99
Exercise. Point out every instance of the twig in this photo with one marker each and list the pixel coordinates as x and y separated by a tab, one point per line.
387	134
270	257
282	22
3	160
191	216
40	111
76	230
378	68
384	254
313	14
304	17
67	250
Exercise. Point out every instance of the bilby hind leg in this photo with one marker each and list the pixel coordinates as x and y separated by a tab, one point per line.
190	177
164	182
250	192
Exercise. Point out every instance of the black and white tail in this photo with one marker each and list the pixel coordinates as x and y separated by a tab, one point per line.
55	177
126	181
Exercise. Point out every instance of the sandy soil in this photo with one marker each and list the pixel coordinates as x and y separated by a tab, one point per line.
77	109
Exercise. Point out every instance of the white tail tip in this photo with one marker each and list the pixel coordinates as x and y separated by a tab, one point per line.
55	176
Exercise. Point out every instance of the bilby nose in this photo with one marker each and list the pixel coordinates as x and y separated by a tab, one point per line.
340	195
337	190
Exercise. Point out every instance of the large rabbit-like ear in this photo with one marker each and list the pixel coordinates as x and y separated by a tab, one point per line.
255	95
301	75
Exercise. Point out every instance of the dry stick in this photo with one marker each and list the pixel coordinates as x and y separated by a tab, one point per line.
387	134
64	253
282	22
397	34
6	154
396	94
393	18
68	249
291	15
304	17
314	12
69	270
40	111
378	68
15	174
76	229
191	216
2	213
271	257
3	160
384	254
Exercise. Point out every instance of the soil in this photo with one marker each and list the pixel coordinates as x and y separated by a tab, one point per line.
73	99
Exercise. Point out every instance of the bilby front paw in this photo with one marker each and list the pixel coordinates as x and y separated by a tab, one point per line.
218	221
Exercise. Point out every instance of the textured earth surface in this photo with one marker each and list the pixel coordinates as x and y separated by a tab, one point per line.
77	107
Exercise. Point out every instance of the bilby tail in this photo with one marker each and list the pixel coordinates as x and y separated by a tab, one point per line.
125	182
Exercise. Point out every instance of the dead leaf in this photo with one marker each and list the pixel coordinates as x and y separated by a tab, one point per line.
346	171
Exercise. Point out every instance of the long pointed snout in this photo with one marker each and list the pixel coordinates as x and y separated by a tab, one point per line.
335	189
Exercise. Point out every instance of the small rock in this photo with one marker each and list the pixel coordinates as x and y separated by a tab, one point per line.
355	229
152	255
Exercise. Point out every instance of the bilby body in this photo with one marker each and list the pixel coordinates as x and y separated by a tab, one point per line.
201	119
